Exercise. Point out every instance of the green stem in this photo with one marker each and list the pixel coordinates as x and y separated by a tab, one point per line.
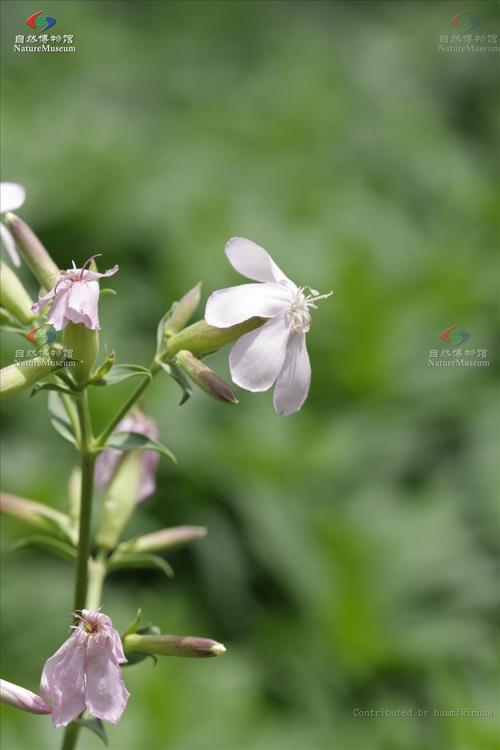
70	736
123	410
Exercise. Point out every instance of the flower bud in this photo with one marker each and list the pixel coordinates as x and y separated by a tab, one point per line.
183	310
200	338
13	295
120	499
37	515
205	378
19	697
172	645
163	539
83	342
33	252
18	377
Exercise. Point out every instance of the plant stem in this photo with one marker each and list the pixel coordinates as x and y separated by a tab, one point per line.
70	736
122	411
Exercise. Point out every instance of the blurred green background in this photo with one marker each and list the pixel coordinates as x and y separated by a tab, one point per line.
352	555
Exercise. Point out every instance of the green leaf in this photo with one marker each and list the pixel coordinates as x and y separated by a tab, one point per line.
134	441
122	372
50	387
178	375
160	331
121	562
63	429
106	291
96	726
132	628
48	544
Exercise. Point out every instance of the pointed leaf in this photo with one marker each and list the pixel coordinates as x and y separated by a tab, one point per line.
48	544
121	562
63	429
132	628
118	373
160	331
134	441
178	375
50	387
96	726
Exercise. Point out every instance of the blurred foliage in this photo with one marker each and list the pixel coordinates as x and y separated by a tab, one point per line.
353	548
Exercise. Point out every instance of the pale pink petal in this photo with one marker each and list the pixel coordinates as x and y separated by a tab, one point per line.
12	196
10	245
257	357
57	314
105	695
292	385
105	466
82	304
116	647
19	697
63	684
253	261
95	275
227	307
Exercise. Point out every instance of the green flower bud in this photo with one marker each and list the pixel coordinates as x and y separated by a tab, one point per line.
83	343
13	295
183	310
200	338
163	539
120	499
172	645
38	516
33	252
18	377
205	378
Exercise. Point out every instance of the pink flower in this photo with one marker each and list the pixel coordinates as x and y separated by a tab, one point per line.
275	353
19	697
12	197
107	461
85	673
75	298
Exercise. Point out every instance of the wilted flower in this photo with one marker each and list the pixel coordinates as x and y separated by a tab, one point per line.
276	352
75	297
12	197
19	697
85	672
107	461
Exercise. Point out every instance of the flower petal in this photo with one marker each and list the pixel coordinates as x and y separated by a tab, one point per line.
227	307
12	196
82	304
253	261
10	245
257	357
292	385
105	693
95	275
63	683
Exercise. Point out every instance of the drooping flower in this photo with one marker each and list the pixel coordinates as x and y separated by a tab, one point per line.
75	297
275	353
19	697
108	461
85	672
12	197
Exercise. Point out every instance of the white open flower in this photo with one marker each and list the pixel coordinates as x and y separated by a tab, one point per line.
276	352
12	197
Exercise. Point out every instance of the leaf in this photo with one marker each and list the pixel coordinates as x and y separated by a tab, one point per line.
48	544
160	331
106	290
50	387
96	726
132	628
56	408
134	441
122	372
63	429
178	375
122	562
